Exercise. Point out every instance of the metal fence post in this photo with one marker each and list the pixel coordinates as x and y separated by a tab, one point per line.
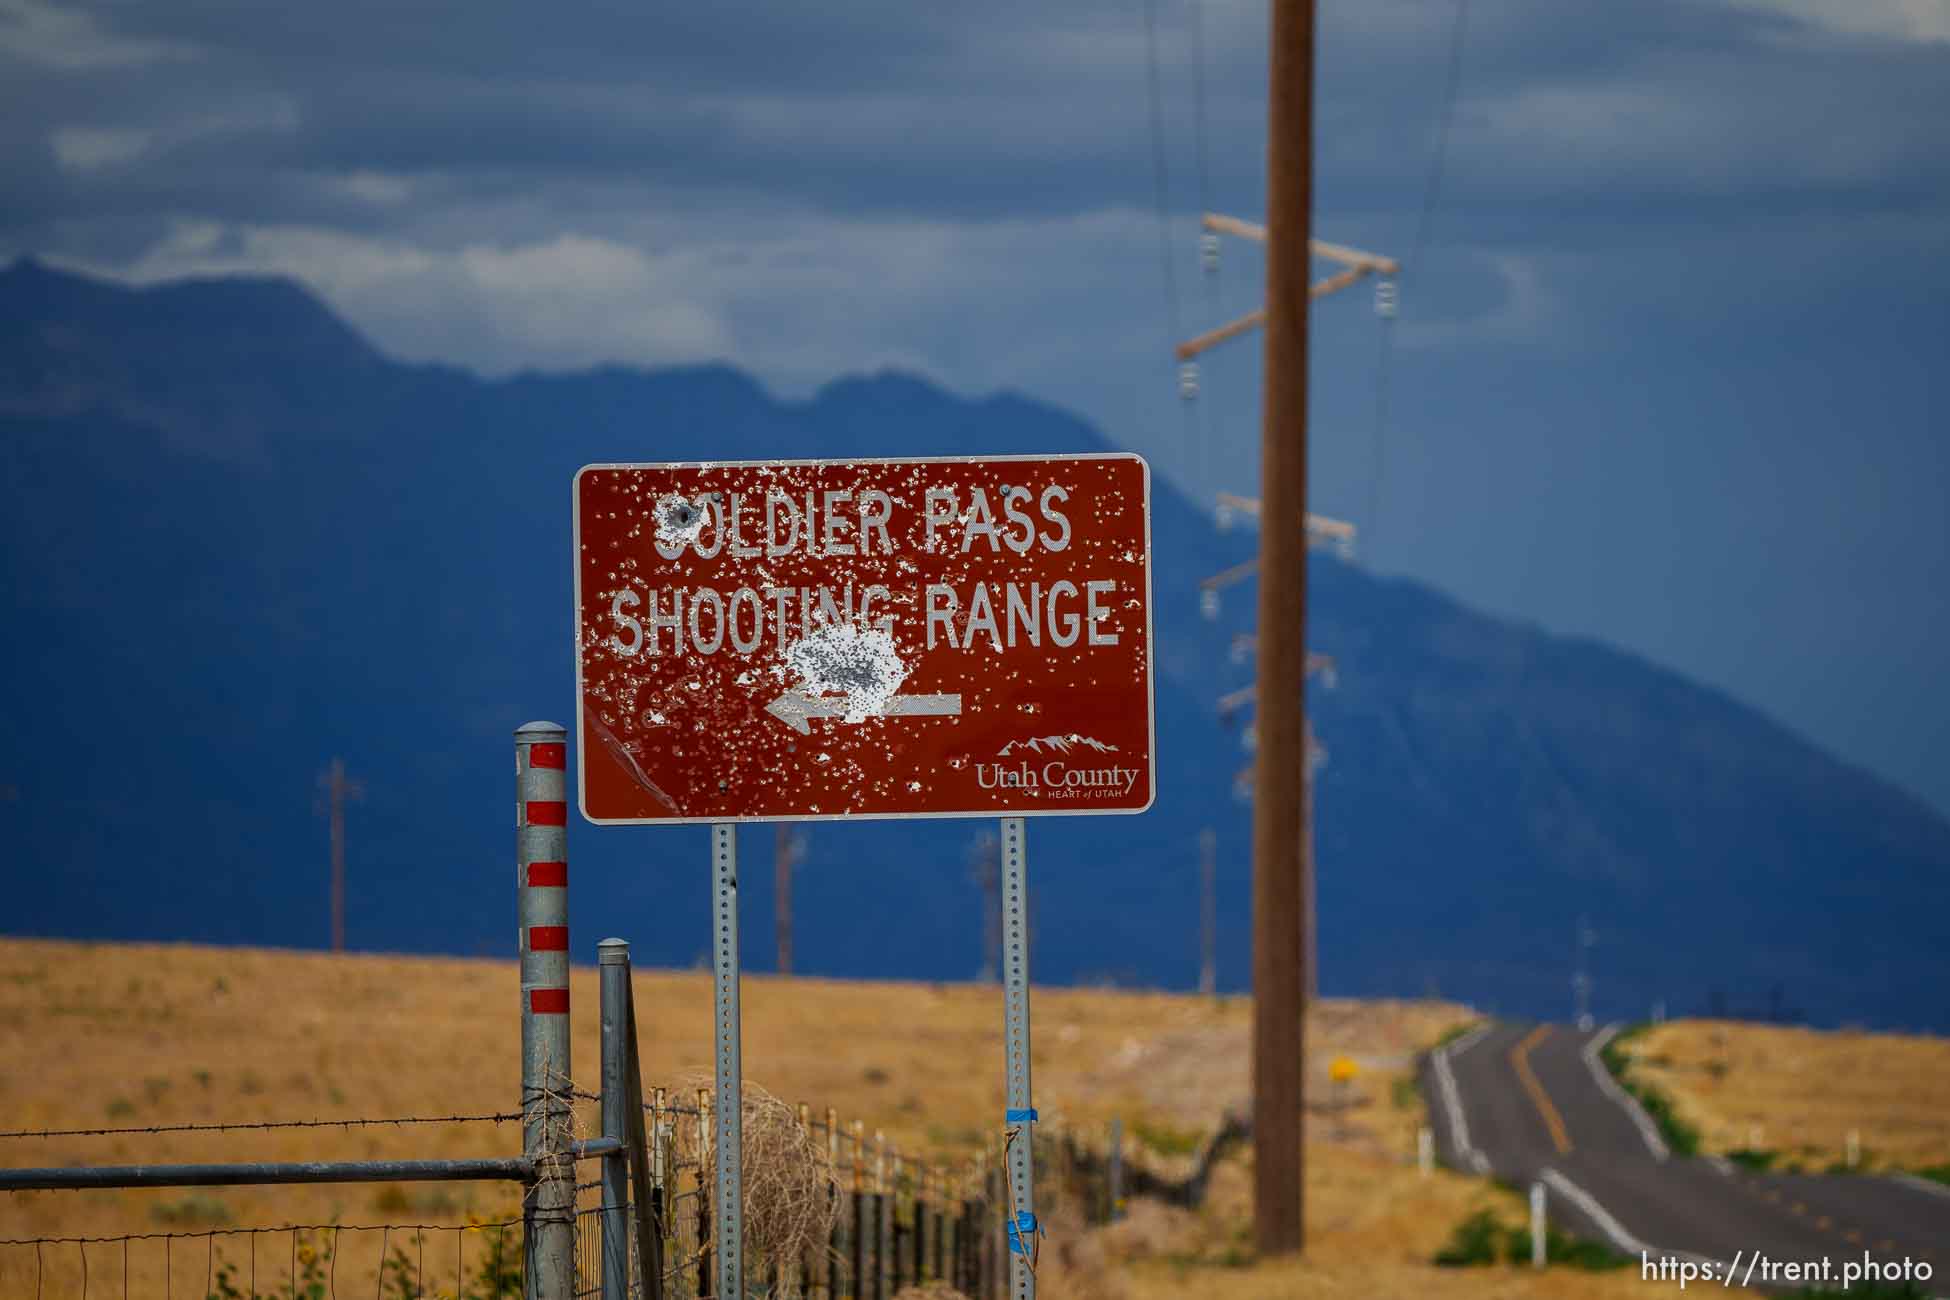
882	1220
705	1245
731	1093
1020	1114
858	1237
542	880
903	1239
835	1244
612	962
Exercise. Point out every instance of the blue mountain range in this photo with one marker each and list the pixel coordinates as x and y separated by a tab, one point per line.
239	541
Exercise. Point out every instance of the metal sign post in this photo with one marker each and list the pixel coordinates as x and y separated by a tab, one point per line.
731	1091
1020	1115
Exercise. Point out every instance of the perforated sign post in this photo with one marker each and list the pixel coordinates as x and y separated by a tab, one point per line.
811	640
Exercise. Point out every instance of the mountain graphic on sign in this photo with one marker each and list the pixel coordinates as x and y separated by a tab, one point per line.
1055	745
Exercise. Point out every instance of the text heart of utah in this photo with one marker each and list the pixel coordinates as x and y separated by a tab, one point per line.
866	638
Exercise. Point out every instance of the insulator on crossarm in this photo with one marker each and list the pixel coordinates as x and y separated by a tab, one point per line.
1222	518
1249	738
1208	604
1242	649
1242	786
1385	299
1208	252
1188	380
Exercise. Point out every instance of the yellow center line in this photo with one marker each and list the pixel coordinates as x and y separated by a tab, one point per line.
1520	1062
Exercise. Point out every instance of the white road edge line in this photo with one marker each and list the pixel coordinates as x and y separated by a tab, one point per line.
1445	1082
1611	1227
1647	1129
1921	1184
1463	1042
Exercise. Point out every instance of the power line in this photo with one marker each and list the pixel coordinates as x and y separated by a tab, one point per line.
1161	187
1208	242
1431	195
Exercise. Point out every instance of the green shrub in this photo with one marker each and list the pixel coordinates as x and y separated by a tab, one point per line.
1481	1239
1475	1241
1164	1139
1758	1159
194	1210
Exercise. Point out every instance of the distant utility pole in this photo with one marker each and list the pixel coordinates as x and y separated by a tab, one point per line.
1279	827
1581	979
985	869
335	788
1316	759
1322	666
1208	913
788	848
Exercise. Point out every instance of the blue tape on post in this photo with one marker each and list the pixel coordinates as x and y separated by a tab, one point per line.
1025	1225
1019	1116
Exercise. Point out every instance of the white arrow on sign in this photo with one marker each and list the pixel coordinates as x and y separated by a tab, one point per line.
796	708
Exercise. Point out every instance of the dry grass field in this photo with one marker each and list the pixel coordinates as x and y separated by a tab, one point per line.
125	1036
1799	1091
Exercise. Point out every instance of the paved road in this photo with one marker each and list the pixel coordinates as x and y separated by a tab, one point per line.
1533	1103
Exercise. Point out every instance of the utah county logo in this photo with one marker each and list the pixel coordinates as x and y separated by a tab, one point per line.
1071	766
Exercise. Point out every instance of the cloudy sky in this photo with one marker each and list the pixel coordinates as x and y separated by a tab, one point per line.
1670	366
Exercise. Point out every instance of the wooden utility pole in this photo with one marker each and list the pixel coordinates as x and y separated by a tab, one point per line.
1279	999
985	869
335	789
785	856
1208	912
1310	879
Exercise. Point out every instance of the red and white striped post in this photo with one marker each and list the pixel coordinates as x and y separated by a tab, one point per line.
542	866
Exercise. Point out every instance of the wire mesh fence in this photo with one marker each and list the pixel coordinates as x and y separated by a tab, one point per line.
318	1261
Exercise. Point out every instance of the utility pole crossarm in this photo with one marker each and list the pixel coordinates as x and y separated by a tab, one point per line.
1358	264
1252	320
1223	225
1321	531
1319	527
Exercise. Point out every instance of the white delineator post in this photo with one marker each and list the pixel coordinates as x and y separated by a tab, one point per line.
1019	1117
1425	1150
542	884
1537	1242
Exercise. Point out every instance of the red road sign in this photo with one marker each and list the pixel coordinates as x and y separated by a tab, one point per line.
869	638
